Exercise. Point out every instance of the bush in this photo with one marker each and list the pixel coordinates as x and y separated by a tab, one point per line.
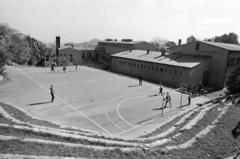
233	82
3	60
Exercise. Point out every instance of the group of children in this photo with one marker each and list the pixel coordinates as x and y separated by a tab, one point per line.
53	68
51	87
64	68
166	97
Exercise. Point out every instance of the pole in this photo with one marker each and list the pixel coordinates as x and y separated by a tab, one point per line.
181	99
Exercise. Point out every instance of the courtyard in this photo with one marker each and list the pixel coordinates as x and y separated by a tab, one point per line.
91	99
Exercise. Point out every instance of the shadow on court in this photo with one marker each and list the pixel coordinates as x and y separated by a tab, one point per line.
135	85
183	105
39	103
153	117
157	108
153	95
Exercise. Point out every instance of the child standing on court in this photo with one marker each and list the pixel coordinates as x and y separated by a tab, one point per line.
160	89
140	80
189	98
52	93
52	68
167	100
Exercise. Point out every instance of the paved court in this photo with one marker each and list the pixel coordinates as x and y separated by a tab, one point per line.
89	98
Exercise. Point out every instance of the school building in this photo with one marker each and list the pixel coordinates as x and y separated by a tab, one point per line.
207	62
108	47
76	56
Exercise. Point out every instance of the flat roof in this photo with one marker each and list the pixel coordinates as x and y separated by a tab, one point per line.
121	42
173	59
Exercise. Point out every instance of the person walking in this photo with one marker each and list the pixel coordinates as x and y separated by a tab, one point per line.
52	93
189	98
160	89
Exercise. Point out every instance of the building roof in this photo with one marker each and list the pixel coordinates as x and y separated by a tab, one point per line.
83	48
64	47
231	47
76	48
180	60
121	42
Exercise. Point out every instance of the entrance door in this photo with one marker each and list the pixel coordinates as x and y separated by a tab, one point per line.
205	78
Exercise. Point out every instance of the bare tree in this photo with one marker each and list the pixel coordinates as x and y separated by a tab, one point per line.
158	43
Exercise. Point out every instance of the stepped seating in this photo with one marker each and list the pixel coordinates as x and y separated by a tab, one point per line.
179	132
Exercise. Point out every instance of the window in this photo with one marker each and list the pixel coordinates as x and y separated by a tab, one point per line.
197	46
148	67
175	72
71	58
231	62
161	69
238	61
180	73
153	68
141	66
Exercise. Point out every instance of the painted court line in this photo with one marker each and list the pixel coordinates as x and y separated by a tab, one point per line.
140	125
69	105
106	113
123	101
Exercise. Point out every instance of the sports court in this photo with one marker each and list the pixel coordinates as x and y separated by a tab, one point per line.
90	99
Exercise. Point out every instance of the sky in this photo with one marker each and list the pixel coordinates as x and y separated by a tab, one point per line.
82	20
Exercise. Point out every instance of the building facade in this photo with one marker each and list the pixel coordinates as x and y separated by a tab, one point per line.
76	56
207	62
108	47
224	59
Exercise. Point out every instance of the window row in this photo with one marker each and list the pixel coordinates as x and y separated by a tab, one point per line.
234	62
150	67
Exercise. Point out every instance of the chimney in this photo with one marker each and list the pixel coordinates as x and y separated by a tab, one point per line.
57	45
147	51
179	41
163	51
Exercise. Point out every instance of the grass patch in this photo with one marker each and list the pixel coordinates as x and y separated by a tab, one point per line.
164	127
205	121
24	148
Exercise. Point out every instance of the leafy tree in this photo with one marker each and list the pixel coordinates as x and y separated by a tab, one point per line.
233	82
69	44
21	48
191	39
230	38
